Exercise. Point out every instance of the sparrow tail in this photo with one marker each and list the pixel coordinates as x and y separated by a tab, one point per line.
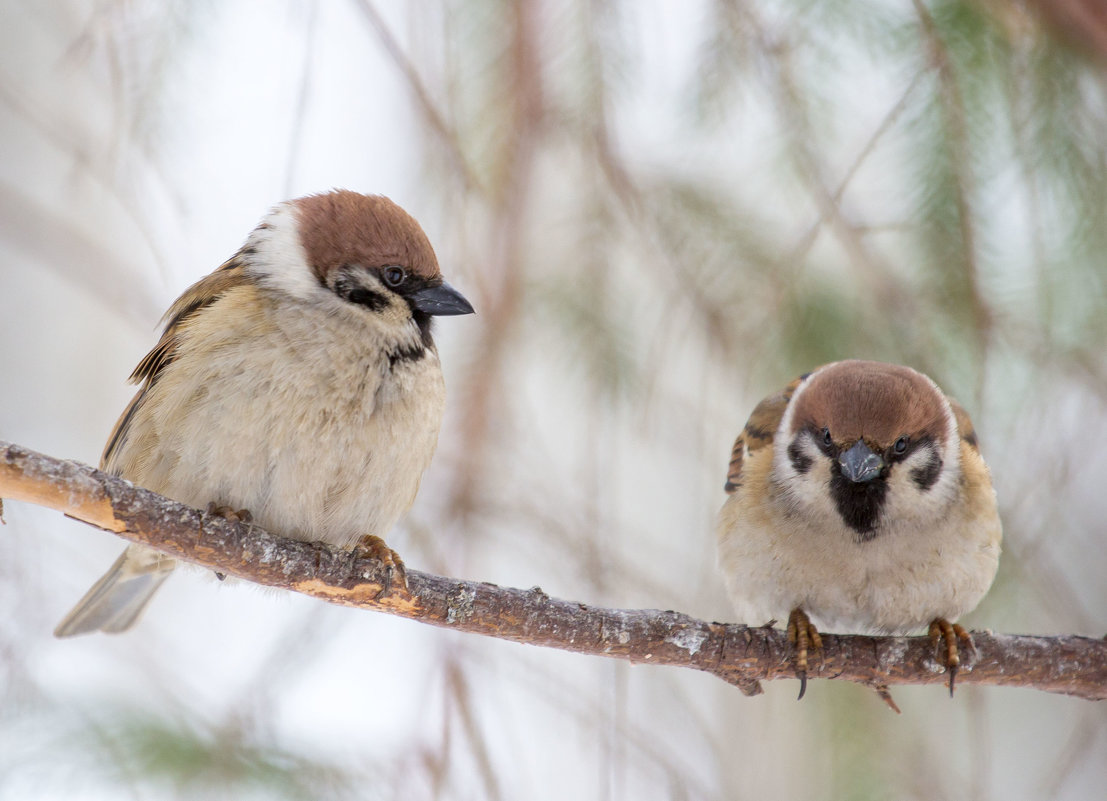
115	601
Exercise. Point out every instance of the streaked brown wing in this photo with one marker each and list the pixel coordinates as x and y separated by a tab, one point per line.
198	296
964	425
759	432
194	299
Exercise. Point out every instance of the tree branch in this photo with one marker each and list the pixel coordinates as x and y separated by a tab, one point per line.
741	655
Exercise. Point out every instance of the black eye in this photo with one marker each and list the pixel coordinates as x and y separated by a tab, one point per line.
394	275
828	440
901	445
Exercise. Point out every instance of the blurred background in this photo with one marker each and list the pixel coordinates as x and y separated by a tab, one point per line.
662	212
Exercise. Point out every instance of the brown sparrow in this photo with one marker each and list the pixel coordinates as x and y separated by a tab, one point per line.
298	381
859	503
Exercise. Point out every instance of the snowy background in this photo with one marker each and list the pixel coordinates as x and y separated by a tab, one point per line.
662	212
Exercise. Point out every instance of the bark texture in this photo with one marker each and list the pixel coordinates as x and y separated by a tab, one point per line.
741	655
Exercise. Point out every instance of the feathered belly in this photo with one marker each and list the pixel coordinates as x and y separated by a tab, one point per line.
330	462
893	584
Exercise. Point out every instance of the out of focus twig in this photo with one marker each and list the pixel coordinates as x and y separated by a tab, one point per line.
447	137
741	655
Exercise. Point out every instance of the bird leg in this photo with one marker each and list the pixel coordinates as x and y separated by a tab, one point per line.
373	547
950	633
228	513
803	635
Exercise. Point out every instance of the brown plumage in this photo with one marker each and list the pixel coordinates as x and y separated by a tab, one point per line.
203	293
298	382
340	227
758	431
859	503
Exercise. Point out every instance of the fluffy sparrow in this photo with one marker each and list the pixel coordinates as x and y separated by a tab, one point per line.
299	381
859	503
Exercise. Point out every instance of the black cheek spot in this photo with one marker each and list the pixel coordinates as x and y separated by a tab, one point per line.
926	476
800	460
374	301
406	353
347	288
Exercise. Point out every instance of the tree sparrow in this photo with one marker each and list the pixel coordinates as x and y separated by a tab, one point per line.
298	381
859	503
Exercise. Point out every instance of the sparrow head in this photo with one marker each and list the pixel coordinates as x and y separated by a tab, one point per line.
363	250
875	444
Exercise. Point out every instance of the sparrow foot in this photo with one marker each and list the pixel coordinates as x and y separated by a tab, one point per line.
804	636
950	633
227	513
373	547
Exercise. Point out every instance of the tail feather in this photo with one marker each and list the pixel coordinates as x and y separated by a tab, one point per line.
115	601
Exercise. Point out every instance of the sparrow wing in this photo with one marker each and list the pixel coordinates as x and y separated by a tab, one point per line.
194	299
759	432
964	425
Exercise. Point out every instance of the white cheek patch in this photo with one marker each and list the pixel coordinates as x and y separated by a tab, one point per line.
801	473
924	467
279	260
950	452
920	490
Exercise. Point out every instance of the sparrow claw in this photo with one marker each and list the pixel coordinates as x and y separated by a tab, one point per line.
950	633
229	513
803	635
373	547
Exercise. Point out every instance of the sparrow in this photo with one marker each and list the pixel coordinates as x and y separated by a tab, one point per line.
298	383
860	504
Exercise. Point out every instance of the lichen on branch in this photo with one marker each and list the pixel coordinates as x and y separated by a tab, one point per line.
740	655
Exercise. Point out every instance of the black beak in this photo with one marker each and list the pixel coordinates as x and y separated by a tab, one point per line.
859	464
440	300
